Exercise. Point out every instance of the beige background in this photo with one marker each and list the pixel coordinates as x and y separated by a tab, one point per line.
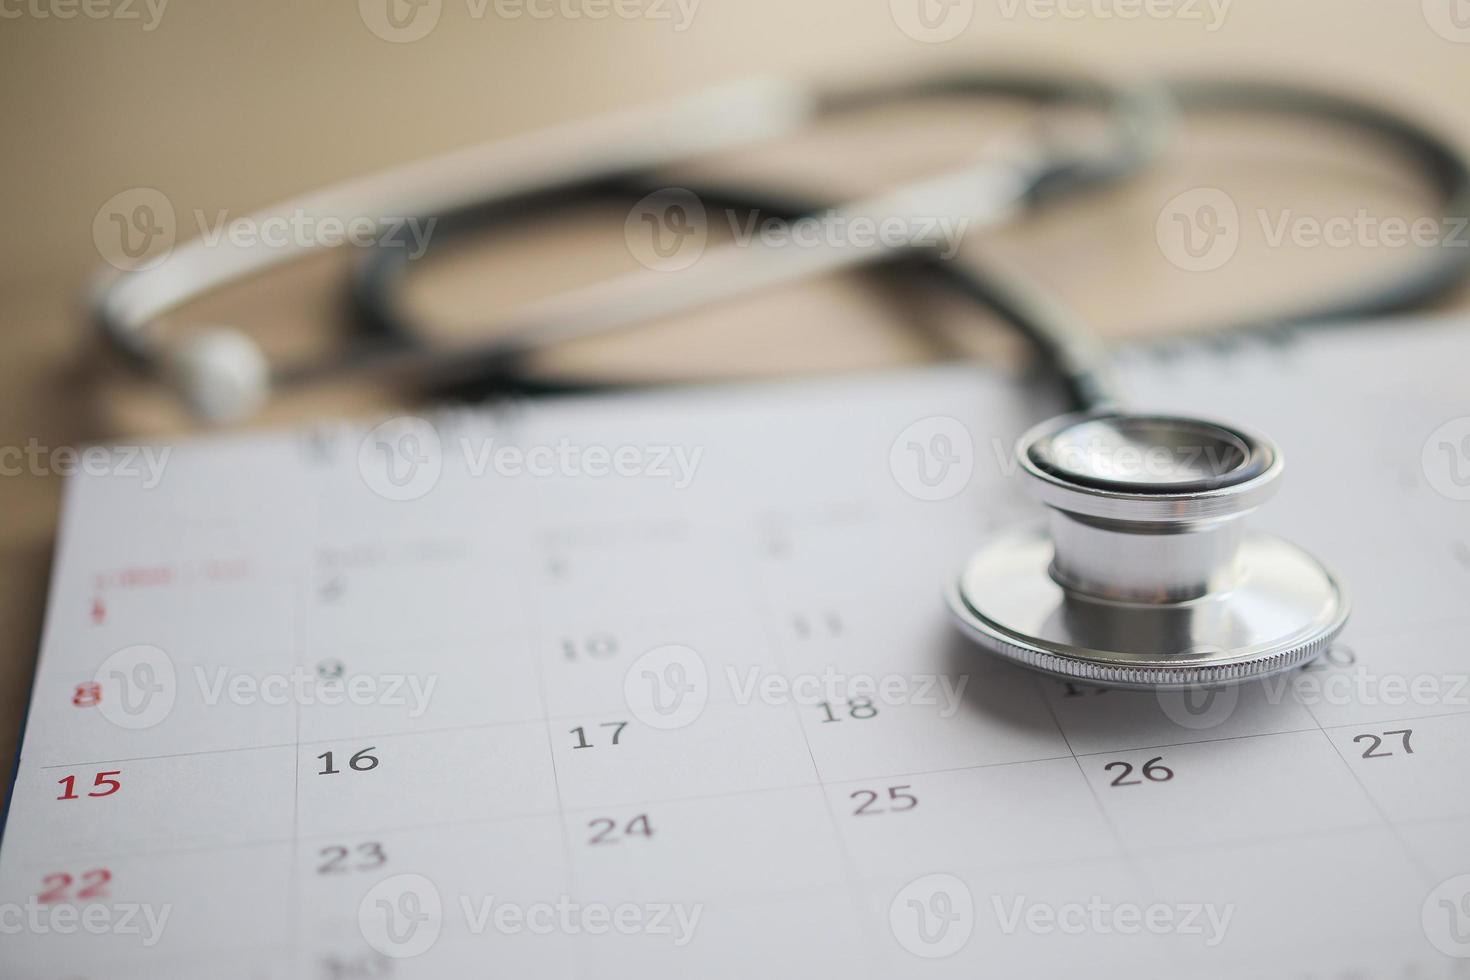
232	106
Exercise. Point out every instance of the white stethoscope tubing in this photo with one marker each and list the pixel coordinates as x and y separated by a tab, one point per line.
636	139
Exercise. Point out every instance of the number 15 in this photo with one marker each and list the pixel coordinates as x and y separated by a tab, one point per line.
100	780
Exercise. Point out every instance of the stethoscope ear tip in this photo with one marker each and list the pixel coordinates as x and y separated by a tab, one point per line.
220	373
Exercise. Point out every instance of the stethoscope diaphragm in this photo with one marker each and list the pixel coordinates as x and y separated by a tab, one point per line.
1147	575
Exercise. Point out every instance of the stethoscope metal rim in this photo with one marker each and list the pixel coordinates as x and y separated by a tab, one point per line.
1007	620
1254	481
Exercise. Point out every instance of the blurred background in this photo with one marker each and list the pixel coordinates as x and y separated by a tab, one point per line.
224	108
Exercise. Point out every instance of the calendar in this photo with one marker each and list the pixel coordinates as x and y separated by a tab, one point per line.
662	685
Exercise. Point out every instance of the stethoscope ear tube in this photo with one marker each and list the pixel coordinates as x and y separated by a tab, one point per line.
1441	162
126	304
223	375
1011	179
1139	120
493	181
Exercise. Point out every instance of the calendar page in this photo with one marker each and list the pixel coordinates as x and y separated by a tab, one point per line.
662	685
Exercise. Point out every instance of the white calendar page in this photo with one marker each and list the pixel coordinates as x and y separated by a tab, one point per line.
661	685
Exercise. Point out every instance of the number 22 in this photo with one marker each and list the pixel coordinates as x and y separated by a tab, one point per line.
94	885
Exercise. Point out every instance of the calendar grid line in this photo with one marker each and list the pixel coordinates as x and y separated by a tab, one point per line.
1400	720
819	784
1196	741
1427	623
1130	858
266	746
1153	851
1387	820
635	804
579	716
478	726
850	868
534	636
298	621
1284	731
1072	754
1351	965
1223	846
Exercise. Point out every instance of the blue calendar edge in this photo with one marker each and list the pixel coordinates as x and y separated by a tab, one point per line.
65	505
25	718
25	723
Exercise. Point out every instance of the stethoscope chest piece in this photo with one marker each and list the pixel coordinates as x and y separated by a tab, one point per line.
1148	576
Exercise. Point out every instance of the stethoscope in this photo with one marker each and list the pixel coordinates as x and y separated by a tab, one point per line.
1147	575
